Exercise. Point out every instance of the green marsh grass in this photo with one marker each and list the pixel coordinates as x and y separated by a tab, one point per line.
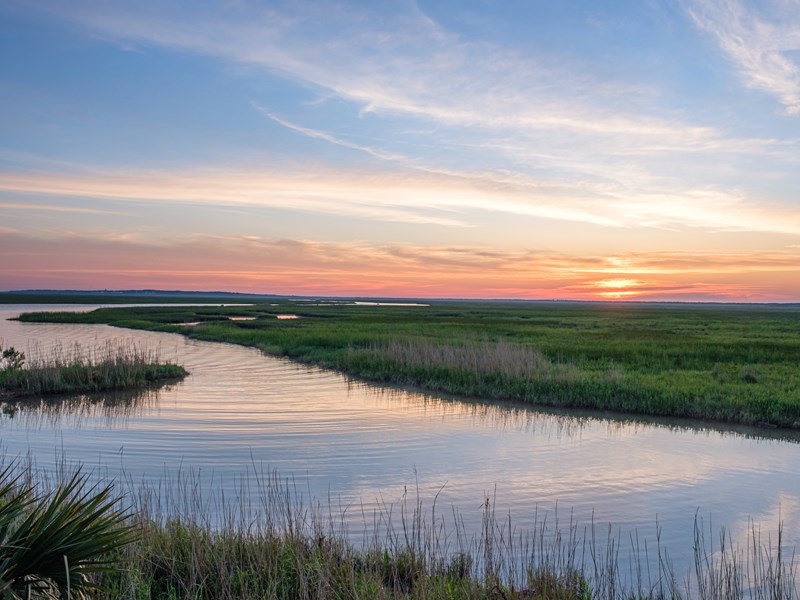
286	548
727	363
177	538
78	369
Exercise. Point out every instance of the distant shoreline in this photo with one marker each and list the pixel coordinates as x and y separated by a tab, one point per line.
211	297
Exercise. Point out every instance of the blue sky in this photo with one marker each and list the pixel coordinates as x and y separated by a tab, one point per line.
495	149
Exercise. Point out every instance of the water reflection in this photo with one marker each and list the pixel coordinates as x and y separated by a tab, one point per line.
523	417
365	446
111	409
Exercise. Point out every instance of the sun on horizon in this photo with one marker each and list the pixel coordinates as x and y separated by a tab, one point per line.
605	151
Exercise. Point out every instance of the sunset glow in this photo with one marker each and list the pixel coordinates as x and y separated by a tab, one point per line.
593	151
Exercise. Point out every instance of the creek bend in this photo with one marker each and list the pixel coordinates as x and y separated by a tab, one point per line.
363	446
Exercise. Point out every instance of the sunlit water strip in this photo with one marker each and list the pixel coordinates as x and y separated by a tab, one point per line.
364	446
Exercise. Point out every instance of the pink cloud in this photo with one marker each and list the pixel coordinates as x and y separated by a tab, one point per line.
328	268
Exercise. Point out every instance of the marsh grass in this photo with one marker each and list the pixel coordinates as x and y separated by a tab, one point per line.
193	543
484	358
189	538
736	363
760	570
78	369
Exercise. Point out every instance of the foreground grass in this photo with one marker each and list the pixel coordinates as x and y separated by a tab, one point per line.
186	559
83	370
728	363
141	547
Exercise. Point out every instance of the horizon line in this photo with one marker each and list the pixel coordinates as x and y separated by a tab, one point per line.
143	291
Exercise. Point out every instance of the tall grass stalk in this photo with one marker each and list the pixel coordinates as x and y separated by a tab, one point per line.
479	357
80	369
193	543
485	368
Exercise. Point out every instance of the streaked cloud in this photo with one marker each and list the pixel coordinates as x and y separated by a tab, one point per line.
28	206
321	135
762	40
320	192
424	199
403	63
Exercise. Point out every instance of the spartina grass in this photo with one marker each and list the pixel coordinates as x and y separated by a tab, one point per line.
80	369
759	570
722	363
481	359
289	546
181	541
485	357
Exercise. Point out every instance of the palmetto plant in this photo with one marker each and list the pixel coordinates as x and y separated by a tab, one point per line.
50	543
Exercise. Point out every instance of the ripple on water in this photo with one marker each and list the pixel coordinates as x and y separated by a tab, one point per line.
364	444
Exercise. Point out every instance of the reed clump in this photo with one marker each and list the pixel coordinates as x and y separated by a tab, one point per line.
78	369
284	548
500	358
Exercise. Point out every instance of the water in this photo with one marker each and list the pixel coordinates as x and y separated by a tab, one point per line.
364	446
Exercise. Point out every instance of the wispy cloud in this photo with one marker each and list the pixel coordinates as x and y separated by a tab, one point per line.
404	63
761	39
396	127
451	200
651	204
708	263
323	192
28	206
321	135
512	132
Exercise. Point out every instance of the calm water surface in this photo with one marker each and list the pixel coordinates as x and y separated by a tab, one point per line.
362	445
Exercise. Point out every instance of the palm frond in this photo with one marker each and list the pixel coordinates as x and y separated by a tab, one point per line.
52	543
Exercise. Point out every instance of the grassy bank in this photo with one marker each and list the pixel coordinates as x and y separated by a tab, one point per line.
729	363
140	546
78	370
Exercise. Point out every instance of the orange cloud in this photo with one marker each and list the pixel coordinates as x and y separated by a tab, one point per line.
327	268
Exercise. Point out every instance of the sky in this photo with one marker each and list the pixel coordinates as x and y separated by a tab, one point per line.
594	150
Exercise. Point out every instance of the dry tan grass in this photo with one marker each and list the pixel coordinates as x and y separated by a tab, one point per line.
513	361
